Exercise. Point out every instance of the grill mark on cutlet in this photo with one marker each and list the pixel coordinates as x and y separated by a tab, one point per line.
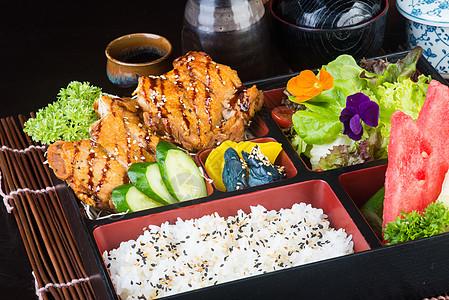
128	149
207	93
152	85
177	82
193	80
111	108
103	174
90	169
244	101
75	158
237	99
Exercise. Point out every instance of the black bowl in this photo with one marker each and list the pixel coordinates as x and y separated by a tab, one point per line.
327	13
306	47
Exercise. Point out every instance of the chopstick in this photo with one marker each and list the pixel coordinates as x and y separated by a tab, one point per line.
48	241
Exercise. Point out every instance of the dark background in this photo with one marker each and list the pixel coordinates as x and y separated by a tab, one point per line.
44	46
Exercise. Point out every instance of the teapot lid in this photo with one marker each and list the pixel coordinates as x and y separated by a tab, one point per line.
428	12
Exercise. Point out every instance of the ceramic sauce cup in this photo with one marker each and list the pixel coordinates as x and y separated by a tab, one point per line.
135	55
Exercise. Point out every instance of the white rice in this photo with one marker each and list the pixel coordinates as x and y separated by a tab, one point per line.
196	253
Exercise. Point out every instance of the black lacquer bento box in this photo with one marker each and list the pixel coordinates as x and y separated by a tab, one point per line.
411	270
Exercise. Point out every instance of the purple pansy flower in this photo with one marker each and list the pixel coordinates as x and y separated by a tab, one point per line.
358	108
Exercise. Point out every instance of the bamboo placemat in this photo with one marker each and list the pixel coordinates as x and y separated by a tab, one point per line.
29	194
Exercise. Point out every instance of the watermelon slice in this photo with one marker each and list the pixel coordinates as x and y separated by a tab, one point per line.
415	171
433	119
417	155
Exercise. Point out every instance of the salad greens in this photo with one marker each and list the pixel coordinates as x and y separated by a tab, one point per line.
318	129
68	118
387	72
414	226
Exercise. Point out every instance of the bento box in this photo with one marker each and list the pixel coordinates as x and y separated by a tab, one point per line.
374	271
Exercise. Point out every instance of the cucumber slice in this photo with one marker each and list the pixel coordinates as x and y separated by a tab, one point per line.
147	178
127	198
373	220
372	210
179	172
376	202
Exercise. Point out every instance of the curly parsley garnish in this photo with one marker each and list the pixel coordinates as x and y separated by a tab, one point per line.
414	226
68	118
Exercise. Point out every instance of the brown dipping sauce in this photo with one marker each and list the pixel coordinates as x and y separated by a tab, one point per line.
139	56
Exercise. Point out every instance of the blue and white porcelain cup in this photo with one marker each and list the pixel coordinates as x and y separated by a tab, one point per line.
427	26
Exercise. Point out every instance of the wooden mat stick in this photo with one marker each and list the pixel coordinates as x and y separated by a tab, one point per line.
67	238
38	257
63	238
44	212
16	133
21	143
22	216
27	180
23	180
68	247
59	214
10	179
52	247
60	229
52	241
38	155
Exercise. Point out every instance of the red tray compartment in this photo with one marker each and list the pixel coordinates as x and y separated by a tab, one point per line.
258	128
364	183
316	192
273	98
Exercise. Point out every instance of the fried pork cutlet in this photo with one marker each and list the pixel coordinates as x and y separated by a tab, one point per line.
199	104
88	169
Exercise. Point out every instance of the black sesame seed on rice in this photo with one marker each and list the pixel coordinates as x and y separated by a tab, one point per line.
238	235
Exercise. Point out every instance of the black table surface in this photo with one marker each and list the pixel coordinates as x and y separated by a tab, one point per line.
44	46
